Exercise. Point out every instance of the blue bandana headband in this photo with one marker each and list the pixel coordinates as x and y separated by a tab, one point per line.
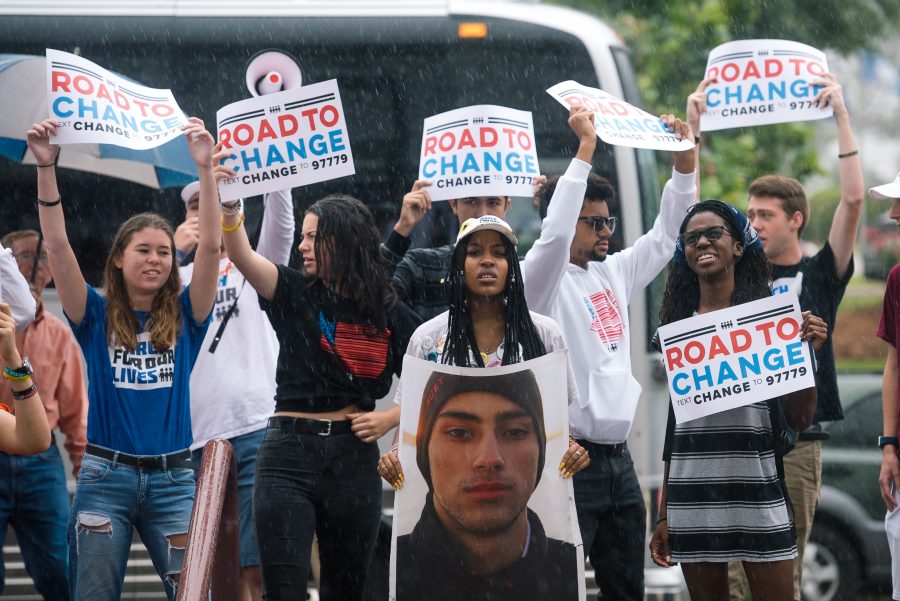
735	218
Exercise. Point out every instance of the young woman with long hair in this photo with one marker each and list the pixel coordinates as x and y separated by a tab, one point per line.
488	323
724	497
140	341
342	335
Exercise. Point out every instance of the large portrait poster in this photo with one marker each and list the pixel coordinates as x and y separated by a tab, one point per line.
760	82
482	150
483	508
94	105
734	357
616	121
284	140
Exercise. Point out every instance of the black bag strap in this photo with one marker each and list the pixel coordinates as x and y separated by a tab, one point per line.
215	341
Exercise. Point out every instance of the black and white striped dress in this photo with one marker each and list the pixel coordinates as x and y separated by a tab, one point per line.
724	499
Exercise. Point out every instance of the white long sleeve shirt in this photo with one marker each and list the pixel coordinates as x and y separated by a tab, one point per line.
233	389
14	290
591	305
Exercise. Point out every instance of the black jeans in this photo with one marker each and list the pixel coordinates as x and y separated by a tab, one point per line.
613	519
308	483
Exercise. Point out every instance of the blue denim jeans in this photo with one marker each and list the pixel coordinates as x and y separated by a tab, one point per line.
111	500
307	483
246	447
612	518
34	500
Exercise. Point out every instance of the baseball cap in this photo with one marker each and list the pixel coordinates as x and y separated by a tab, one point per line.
889	191
486	222
188	192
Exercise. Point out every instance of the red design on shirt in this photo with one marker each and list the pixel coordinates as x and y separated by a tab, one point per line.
607	321
361	349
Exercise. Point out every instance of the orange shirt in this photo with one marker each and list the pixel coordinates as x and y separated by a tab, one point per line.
50	346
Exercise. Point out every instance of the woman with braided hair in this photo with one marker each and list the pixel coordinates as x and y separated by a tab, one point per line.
488	323
724	497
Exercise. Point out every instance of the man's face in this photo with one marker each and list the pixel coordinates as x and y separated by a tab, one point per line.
25	249
483	456
590	244
895	211
475	207
193	207
777	230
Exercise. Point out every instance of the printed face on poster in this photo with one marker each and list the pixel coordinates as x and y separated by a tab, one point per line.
760	82
617	122
734	357
284	140
94	105
480	449
482	150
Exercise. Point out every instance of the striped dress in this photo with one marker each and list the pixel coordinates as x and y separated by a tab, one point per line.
724	499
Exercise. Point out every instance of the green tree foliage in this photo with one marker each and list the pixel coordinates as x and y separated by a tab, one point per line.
670	41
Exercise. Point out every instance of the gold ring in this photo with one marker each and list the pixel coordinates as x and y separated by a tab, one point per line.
578	453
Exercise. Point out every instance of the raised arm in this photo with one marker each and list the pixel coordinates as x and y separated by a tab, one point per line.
15	291
845	224
70	284
258	270
206	256
546	262
696	106
277	231
416	203
28	432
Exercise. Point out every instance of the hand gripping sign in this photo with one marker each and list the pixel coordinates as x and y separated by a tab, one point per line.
94	105
734	357
760	82
618	122
482	150
284	140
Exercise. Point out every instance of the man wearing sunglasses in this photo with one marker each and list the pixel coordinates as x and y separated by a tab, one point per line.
569	277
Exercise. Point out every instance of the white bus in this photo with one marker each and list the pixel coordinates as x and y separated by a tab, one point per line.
397	62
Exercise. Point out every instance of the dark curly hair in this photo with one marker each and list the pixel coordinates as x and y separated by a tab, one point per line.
346	234
752	273
519	326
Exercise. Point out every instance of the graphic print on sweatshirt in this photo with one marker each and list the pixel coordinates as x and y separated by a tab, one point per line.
606	319
361	349
788	284
144	368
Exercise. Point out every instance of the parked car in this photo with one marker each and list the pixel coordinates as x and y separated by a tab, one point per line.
848	550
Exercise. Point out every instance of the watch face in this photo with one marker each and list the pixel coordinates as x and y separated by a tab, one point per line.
26	363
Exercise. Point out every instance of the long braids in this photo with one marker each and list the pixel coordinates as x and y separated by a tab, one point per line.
519	329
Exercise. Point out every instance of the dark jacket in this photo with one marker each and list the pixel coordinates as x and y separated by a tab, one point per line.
420	274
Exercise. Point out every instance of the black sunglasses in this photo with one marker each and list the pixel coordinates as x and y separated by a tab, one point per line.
711	234
598	223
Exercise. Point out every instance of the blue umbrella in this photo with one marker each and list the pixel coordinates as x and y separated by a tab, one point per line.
23	78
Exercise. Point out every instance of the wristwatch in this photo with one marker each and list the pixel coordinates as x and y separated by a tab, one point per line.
26	371
887	440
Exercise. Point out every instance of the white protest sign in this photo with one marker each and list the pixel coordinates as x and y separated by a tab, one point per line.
760	82
618	122
94	105
482	150
488	443
734	357
284	140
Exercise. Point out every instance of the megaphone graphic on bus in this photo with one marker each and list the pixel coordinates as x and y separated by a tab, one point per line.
271	71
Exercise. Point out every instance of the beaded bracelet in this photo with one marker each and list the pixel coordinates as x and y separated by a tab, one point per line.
232	228
232	209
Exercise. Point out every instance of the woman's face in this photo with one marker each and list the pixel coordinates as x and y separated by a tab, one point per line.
708	245
307	246
486	264
146	261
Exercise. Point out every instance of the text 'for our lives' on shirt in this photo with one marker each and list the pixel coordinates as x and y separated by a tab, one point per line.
139	399
591	305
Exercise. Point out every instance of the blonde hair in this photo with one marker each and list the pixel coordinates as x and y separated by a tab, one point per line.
164	322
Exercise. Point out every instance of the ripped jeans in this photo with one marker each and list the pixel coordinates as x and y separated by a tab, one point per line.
111	500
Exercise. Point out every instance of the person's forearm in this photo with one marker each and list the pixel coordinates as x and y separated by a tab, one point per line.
889	390
277	231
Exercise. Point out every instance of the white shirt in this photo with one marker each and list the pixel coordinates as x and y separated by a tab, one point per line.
591	305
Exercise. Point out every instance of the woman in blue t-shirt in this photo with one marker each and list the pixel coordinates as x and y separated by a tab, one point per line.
140	342
342	336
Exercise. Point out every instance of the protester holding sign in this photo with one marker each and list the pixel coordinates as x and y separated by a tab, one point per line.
779	211
723	495
569	277
341	335
488	324
140	342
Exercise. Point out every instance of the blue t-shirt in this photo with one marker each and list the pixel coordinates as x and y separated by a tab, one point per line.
139	400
